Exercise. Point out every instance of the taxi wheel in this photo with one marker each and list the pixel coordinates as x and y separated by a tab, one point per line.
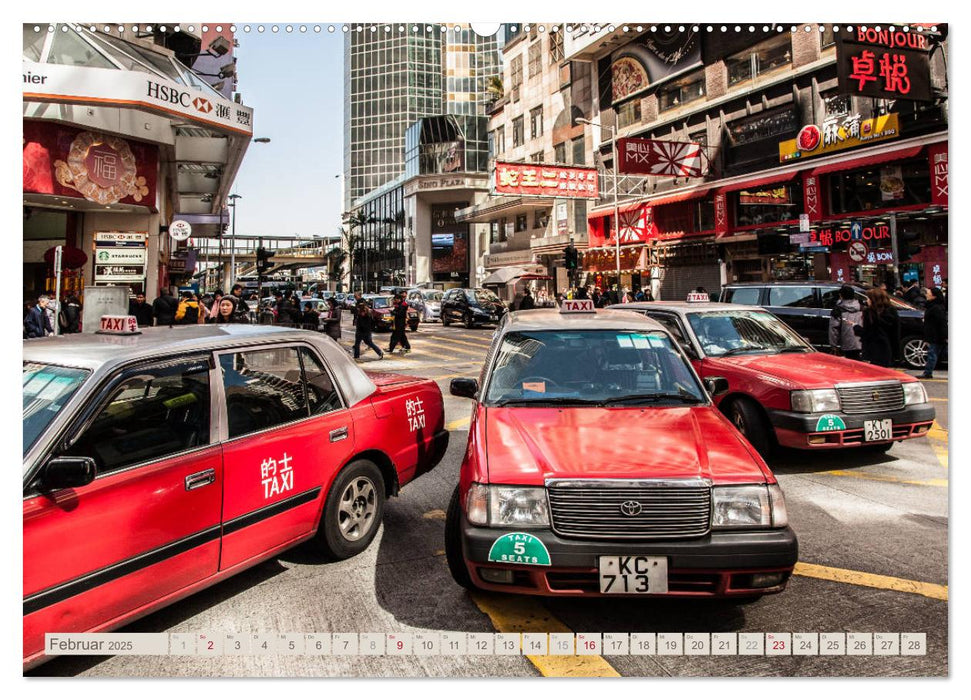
745	416
445	320
353	512
453	544
413	326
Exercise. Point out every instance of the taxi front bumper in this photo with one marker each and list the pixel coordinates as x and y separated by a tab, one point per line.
800	429
719	564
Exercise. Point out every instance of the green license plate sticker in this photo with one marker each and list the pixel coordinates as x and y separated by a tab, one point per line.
829	422
519	548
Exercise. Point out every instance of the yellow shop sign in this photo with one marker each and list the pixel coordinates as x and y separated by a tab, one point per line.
837	135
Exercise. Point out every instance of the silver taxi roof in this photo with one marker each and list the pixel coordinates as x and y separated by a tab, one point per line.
601	319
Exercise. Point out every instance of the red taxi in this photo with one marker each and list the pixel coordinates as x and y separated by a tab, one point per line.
781	391
598	465
160	463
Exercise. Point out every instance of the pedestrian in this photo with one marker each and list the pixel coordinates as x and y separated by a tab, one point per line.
287	313
241	305
37	324
880	331
142	311
846	316
188	311
625	297
227	311
310	319
70	316
596	298
581	293
527	301
362	330
164	308
935	329
398	335
614	294
915	296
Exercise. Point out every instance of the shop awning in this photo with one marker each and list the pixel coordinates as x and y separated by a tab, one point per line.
759	182
488	210
621	208
680	196
865	161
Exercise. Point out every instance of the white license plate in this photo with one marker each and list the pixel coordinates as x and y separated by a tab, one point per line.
878	430
634	574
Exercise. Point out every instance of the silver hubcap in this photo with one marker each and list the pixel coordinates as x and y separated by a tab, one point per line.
915	353
355	516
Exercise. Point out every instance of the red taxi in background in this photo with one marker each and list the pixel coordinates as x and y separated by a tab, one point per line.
598	465
160	463
781	391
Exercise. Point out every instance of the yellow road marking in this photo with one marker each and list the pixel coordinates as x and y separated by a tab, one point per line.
481	346
456	424
861	578
934	399
887	479
478	353
440	377
520	614
436	514
941	453
937	432
943	381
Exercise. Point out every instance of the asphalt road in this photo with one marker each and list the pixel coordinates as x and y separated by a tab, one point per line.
873	533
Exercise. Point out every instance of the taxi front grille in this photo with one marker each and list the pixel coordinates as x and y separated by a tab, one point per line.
871	398
630	509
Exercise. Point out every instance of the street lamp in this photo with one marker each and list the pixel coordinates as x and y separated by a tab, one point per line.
613	156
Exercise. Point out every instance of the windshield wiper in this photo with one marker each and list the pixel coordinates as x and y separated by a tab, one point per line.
554	400
747	348
795	348
682	396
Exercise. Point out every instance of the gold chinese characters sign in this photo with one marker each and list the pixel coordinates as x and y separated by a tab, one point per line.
537	180
838	135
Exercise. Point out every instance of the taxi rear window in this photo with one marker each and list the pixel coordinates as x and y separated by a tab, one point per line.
46	389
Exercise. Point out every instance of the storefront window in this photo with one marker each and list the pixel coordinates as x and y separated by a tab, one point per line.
629	113
759	59
772	125
880	187
680	92
768	204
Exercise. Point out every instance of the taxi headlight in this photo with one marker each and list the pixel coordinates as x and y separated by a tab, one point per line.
914	392
740	506
815	401
387	317
477	504
518	506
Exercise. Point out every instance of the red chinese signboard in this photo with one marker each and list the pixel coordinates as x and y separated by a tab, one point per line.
887	64
811	201
527	179
102	168
721	214
661	158
937	155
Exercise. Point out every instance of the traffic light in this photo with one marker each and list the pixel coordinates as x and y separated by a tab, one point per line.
571	257
263	263
906	246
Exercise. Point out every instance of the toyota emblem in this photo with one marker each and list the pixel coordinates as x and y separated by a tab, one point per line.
630	508
875	396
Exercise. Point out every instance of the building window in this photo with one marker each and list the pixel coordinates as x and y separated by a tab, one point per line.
518	137
579	152
760	59
537	157
769	204
827	37
629	113
521	222
542	218
501	139
680	92
494	232
580	217
559	153
535	59
556	46
502	230
515	78
536	122
880	187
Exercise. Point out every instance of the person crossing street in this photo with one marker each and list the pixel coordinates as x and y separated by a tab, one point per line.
362	330
398	335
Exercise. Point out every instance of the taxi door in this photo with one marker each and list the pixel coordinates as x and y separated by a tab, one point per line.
148	525
287	433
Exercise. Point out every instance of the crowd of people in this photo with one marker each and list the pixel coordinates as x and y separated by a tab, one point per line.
601	299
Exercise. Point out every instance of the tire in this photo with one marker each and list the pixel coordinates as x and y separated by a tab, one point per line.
913	350
413	326
749	421
453	544
469	320
445	320
358	490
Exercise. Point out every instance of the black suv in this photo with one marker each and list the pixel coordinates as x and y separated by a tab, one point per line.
471	306
806	307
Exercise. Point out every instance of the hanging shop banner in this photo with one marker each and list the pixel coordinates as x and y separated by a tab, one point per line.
531	180
937	155
838	135
120	256
115	239
811	200
644	61
49	82
68	162
885	64
721	214
661	158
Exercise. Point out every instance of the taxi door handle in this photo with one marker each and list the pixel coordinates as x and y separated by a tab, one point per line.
200	479
338	434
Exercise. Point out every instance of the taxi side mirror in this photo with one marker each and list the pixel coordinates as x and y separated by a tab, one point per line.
68	472
716	386
466	388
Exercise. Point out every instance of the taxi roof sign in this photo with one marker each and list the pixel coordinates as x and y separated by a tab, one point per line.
577	306
698	297
118	325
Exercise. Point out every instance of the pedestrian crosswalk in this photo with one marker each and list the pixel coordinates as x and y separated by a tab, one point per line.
431	348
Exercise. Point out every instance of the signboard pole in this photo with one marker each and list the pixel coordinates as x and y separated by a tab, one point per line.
58	252
259	279
896	251
613	150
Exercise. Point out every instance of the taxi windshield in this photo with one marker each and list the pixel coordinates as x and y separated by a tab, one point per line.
46	389
591	367
731	332
381	302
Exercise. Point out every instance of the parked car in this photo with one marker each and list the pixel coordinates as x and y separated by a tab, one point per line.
381	306
781	391
471	307
157	464
806	307
597	465
428	302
